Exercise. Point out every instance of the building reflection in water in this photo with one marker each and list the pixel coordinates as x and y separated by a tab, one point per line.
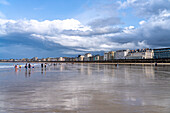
107	70
149	72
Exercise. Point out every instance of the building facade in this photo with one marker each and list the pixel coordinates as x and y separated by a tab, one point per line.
35	59
80	58
111	55
121	54
48	59
98	58
140	54
61	59
161	53
87	56
106	56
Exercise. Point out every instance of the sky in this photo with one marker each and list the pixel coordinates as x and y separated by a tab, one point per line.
55	28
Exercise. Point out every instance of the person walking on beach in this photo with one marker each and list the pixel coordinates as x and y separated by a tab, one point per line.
45	65
33	66
26	66
16	67
42	65
20	66
29	65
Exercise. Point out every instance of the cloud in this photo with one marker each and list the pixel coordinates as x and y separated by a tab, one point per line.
103	22
55	35
4	2
70	35
100	13
141	22
43	27
104	32
146	8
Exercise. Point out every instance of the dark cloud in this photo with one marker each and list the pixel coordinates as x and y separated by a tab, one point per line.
29	38
147	8
104	22
95	32
23	46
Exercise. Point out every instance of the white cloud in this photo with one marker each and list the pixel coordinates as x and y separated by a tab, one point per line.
73	34
44	27
142	22
146	8
4	2
82	37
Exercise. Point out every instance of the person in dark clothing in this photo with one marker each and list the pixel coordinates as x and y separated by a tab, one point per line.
45	65
29	65
42	65
26	66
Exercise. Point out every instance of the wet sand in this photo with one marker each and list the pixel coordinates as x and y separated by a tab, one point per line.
86	88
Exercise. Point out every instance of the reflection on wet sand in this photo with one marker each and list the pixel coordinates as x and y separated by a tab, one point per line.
43	71
87	88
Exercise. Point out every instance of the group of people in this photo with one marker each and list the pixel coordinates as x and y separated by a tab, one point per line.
29	66
44	65
26	66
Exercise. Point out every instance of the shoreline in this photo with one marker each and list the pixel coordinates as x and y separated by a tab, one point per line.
106	63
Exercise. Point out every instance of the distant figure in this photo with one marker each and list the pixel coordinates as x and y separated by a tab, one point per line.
16	67
156	64
42	65
45	65
26	66
29	65
33	66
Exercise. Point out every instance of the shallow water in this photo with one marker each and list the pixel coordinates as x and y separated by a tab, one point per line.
86	88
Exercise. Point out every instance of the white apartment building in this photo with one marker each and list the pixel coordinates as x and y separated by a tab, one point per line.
87	56
140	54
61	59
106	56
121	54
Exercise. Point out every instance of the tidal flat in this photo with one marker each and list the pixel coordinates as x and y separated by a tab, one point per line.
85	88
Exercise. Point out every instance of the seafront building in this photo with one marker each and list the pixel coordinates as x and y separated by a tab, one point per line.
97	58
80	58
61	59
43	59
161	53
87	56
34	59
111	55
121	54
106	56
140	54
48	59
